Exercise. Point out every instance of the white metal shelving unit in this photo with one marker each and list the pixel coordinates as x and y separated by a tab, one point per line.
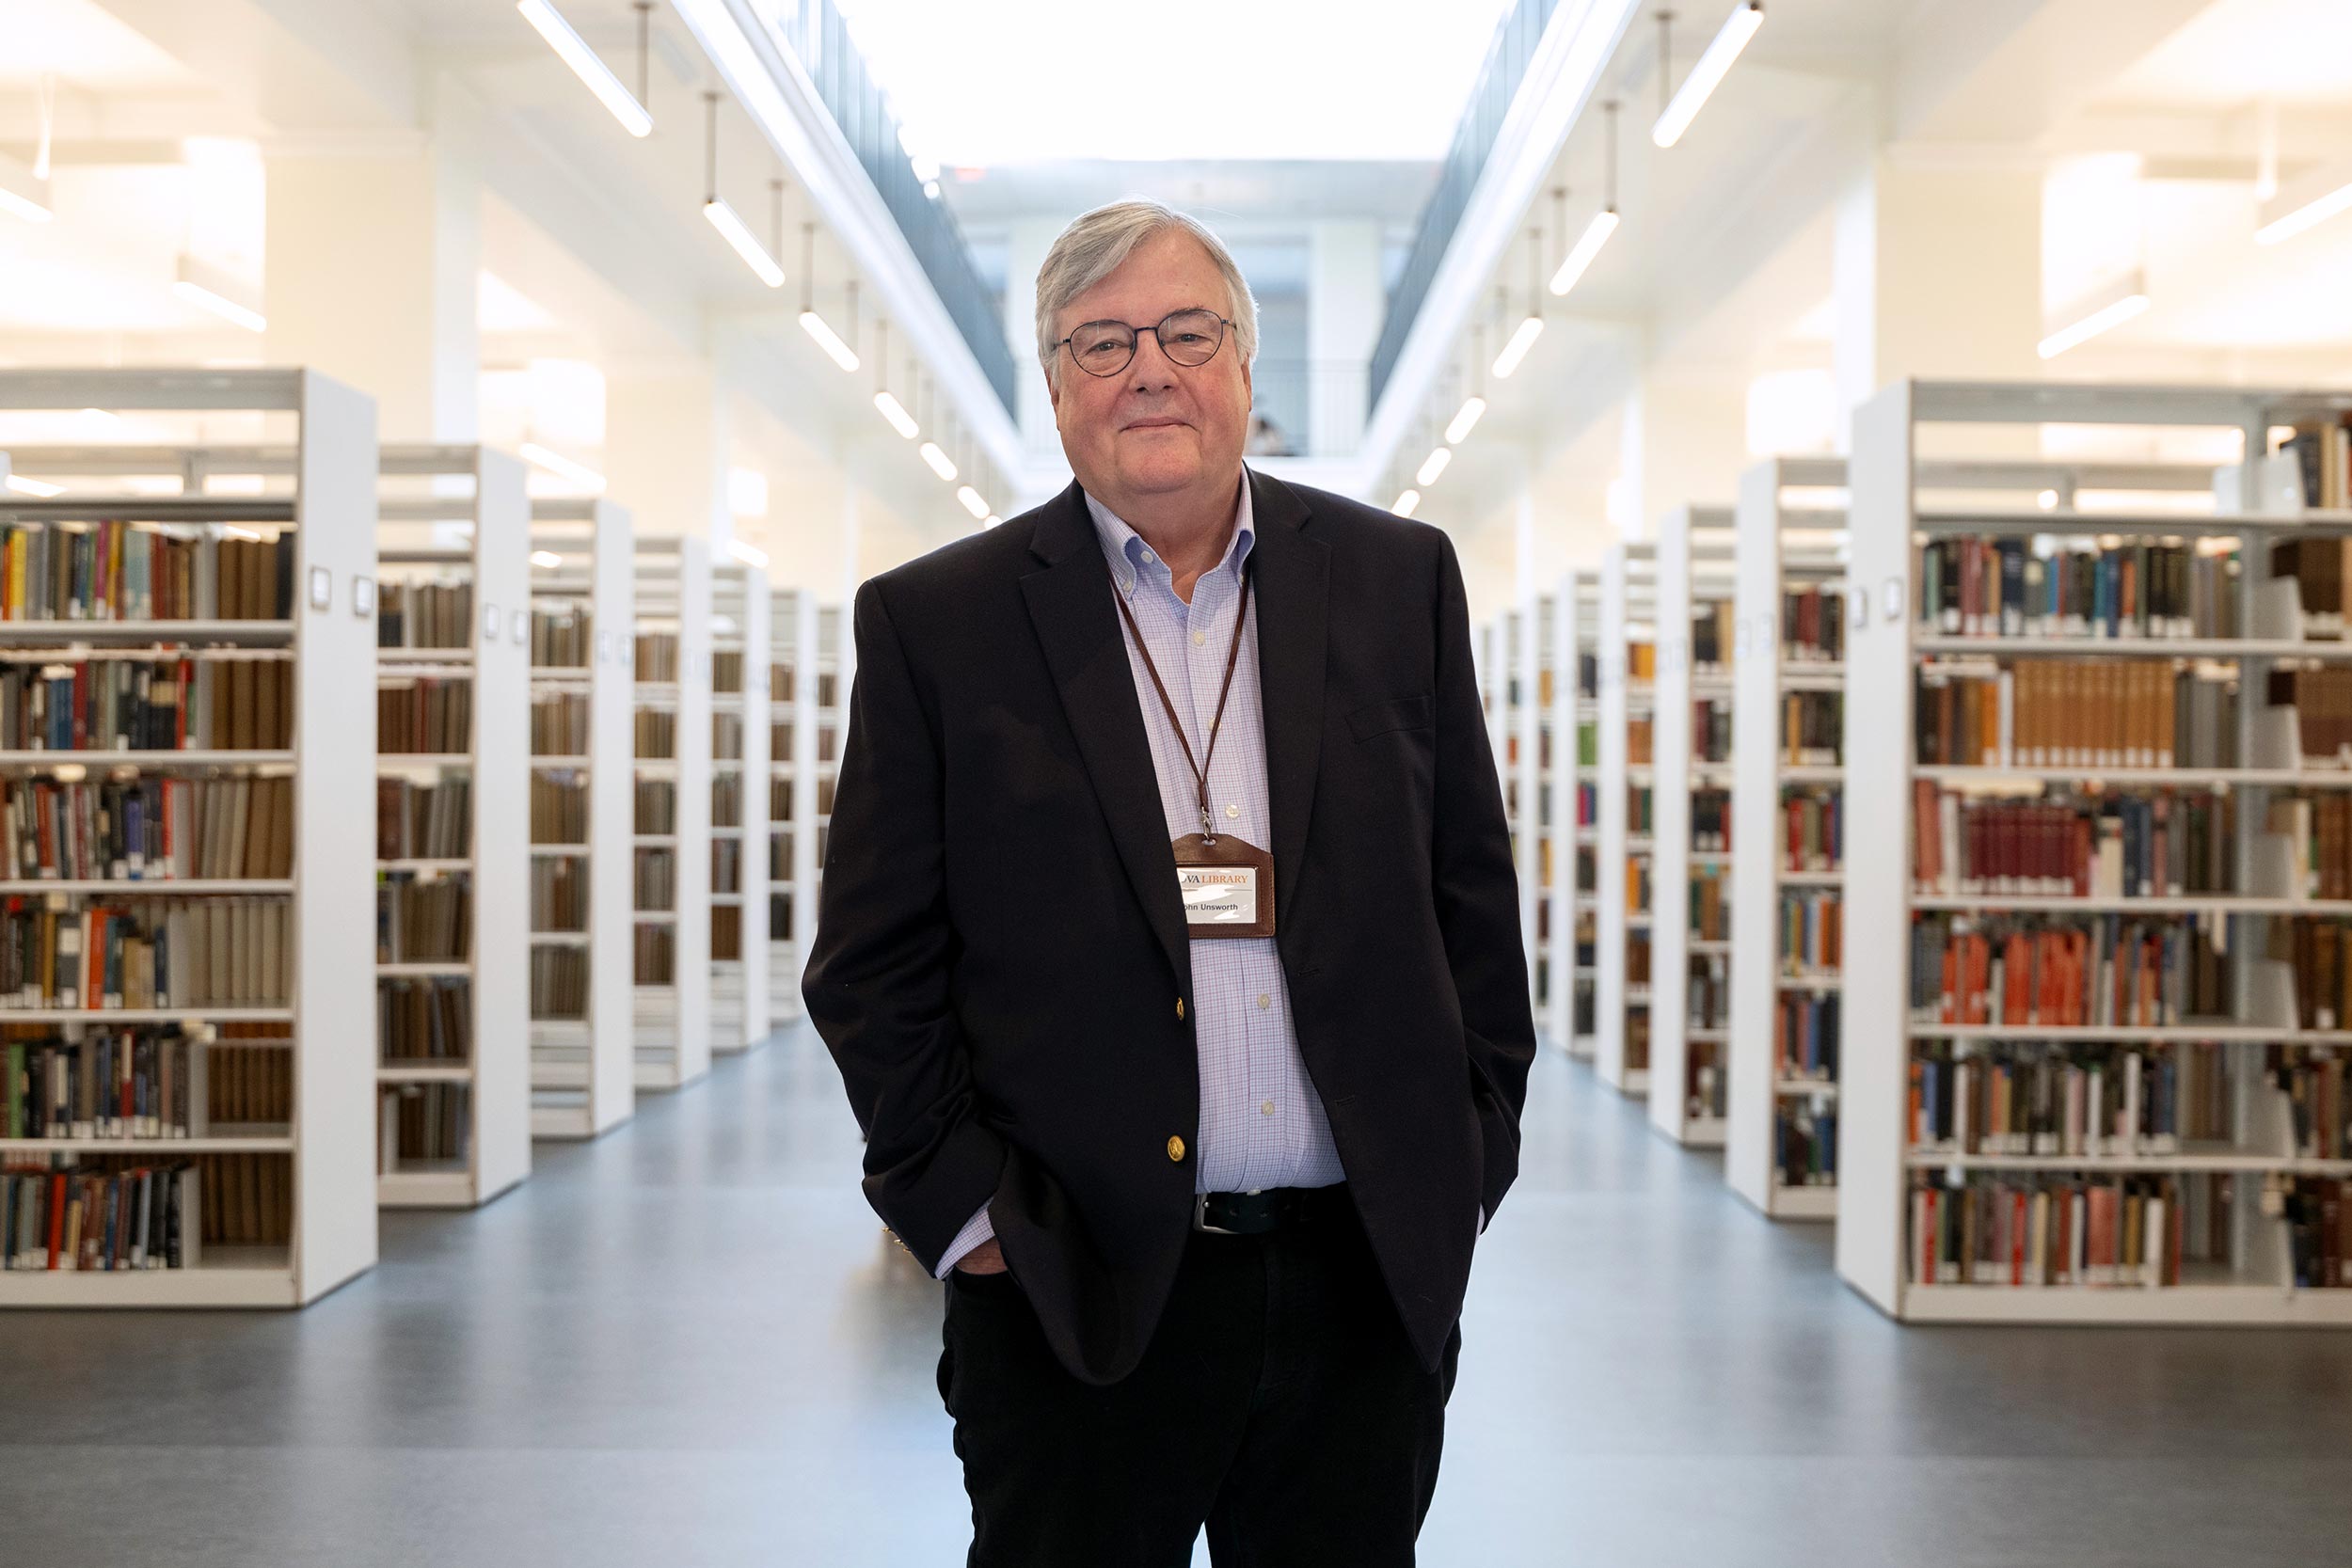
317	1163
739	956
1687	1059
673	1000
1627	692
829	657
1878	1254
457	518
582	1042
1572	629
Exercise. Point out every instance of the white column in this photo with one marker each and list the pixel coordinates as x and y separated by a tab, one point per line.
666	445
1682	442
1938	273
1343	309
371	256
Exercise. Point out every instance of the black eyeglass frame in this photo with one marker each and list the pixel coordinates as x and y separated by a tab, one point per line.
1134	340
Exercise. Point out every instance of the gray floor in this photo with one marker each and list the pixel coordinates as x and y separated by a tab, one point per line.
688	1344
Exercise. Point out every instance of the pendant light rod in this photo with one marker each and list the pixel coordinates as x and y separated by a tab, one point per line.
710	147
645	53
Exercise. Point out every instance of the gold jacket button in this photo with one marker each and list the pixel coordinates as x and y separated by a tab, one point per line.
1175	1148
1180	1007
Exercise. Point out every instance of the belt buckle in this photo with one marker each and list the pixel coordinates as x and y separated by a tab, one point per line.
1200	1218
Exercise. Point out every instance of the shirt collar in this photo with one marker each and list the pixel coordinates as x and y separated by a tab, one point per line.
1132	561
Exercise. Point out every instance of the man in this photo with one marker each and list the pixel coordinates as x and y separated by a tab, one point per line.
1170	951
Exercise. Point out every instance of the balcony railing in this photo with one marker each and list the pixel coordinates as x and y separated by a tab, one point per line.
1307	408
1517	37
818	34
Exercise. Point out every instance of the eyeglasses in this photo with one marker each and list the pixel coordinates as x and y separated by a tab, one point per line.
1188	338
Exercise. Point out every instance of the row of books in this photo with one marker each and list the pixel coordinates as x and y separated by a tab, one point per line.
424	615
1713	637
559	809
1710	903
558	724
2163	842
726	671
2322	700
1812	931
726	934
1705	1086
2319	952
1813	728
2319	1113
1707	991
2014	586
561	639
1638	742
146	828
429	821
2070	1101
654	881
107	1084
1805	1036
657	655
1640	821
559	984
1804	1142
423	1123
726	738
727	801
1641	662
1710	729
2076	713
2066	1230
726	865
89	1218
425	715
1711	820
1812	624
424	1019
165	953
653	956
1815	822
656	806
2105	971
109	704
559	895
2322	452
2318	830
2318	1216
123	571
422	919
655	735
2318	566
249	1084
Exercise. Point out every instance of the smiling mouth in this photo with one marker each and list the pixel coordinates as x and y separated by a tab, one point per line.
1156	424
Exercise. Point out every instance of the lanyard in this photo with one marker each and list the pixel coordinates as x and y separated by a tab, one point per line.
1232	655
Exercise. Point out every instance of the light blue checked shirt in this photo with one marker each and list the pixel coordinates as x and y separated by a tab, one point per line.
1262	1123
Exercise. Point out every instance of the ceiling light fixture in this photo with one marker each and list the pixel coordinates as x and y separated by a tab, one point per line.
1465	418
22	192
1404	503
840	353
2102	311
1604	223
1714	64
573	50
556	462
971	500
1431	465
889	407
750	555
1531	325
722	217
218	292
937	460
2307	204
35	487
545	558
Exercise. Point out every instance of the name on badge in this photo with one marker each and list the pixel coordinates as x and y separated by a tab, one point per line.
1219	895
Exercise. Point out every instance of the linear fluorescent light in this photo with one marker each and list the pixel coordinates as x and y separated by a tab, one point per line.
1708	74
750	555
1530	329
1431	465
23	193
545	558
556	462
827	338
727	222
23	486
990	521
574	52
1587	245
894	411
2109	308
1405	503
2310	202
929	451
215	290
1465	419
971	500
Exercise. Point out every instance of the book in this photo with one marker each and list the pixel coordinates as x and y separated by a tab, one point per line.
127	571
2162	843
151	953
565	639
424	615
2070	971
223	699
2033	1231
658	657
1814	827
424	1019
423	715
1805	1142
1812	624
433	821
558	724
1811	932
2012	587
2070	1100
2091	714
423	918
136	827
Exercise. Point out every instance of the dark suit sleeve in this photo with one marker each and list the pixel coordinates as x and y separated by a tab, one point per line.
1477	891
877	985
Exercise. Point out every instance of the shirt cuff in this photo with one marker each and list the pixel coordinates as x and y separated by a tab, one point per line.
975	1231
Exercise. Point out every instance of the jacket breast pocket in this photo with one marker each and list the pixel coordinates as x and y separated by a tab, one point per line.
1403	713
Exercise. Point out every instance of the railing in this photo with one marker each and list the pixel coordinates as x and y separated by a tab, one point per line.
816	34
1307	408
1516	39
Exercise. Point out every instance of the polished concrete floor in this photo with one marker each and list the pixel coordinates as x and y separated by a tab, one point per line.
688	1345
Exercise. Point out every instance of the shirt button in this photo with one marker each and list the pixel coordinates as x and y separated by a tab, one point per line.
1265	1000
1147	558
1176	1149
1267	1108
1200	638
1232	810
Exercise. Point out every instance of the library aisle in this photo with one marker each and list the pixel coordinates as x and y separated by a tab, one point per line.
689	1344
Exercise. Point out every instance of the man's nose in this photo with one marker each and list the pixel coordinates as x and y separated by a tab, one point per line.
1152	369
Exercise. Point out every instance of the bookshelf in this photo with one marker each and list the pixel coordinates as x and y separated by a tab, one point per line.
582	1005
452	869
670	911
1781	1153
2211	1192
1529	761
1626	659
278	1104
1571	709
1690	941
826	658
791	795
740	739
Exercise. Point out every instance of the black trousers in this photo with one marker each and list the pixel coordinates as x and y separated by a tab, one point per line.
1279	1404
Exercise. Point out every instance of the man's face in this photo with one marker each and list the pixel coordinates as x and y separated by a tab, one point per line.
1156	427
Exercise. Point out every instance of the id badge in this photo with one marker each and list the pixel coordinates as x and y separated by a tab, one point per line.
1227	886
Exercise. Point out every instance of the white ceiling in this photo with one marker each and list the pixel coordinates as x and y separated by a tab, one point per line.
2239	52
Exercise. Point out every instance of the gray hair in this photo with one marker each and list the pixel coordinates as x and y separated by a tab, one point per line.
1098	242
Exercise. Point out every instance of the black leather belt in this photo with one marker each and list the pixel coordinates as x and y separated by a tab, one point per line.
1271	1209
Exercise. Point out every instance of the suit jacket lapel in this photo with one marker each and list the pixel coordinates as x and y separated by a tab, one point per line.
1294	573
1069	602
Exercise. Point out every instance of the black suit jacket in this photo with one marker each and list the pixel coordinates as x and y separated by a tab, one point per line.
1001	968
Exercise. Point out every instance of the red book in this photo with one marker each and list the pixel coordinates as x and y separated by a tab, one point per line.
57	1218
2017	1237
1928	1238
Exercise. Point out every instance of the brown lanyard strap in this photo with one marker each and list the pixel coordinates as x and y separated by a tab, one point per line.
1232	657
